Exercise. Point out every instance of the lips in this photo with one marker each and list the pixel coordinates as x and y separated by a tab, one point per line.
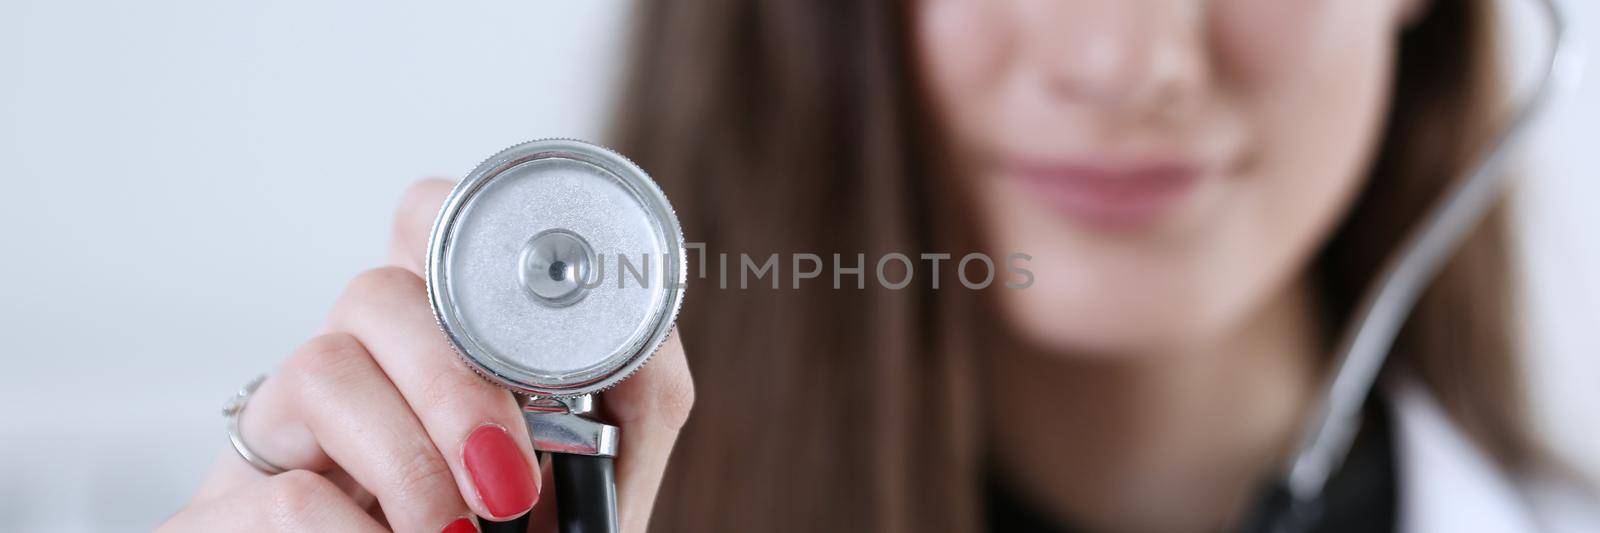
1111	196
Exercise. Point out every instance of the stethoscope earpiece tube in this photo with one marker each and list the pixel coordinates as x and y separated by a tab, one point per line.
1289	504
587	488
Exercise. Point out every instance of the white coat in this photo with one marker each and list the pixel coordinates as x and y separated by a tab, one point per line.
1448	484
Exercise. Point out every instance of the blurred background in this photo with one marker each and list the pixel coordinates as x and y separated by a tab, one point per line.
187	185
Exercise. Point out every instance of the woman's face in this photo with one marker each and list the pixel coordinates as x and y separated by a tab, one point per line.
1170	165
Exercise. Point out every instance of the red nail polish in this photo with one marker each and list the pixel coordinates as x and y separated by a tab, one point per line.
460	525
499	471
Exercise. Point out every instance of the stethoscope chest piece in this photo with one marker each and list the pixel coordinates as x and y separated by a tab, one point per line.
556	268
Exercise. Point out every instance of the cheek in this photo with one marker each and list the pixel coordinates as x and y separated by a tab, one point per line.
1314	90
963	49
1257	41
1316	101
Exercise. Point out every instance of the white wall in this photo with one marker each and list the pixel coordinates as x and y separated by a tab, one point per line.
186	185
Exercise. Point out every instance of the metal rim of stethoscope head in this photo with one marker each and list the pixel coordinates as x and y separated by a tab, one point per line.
1327	437
516	268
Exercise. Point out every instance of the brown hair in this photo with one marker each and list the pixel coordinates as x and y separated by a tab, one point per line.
798	127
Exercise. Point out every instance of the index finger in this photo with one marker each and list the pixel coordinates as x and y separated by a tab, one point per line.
413	222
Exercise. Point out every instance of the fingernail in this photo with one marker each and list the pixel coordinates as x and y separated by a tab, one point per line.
499	471
460	525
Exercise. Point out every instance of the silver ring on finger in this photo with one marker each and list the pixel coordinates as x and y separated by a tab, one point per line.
232	410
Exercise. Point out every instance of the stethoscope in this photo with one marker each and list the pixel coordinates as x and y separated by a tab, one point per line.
556	268
1290	503
531	258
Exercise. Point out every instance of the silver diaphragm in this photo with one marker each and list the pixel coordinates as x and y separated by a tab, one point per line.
556	268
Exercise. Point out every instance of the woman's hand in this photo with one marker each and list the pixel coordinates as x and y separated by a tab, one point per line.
381	425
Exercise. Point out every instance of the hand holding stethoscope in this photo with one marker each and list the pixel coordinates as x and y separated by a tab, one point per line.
379	401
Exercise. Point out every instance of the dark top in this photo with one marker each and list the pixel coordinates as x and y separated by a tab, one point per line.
1359	497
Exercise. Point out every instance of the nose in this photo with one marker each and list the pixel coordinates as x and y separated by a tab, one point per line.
1146	55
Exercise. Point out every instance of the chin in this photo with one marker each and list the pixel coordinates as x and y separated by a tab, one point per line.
1107	319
